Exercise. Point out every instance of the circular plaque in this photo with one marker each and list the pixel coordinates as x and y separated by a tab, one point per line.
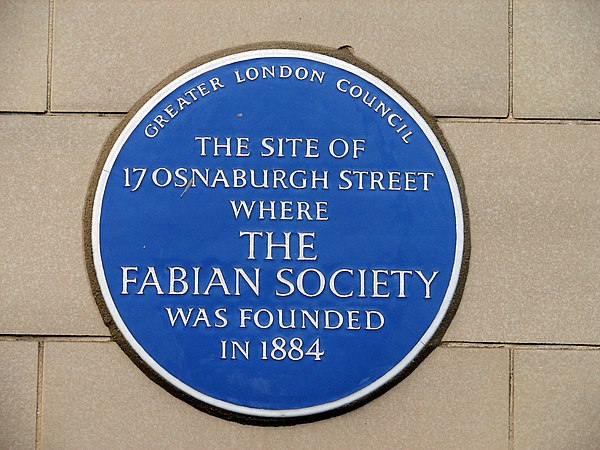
277	233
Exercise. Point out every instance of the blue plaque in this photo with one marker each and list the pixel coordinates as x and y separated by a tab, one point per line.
277	234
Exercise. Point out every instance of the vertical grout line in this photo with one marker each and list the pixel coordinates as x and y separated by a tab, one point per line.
50	53
510	57
511	399
38	409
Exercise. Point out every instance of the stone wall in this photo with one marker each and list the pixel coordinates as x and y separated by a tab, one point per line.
516	87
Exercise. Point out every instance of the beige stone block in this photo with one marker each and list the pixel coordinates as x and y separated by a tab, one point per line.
18	394
45	167
557	59
557	398
533	197
95	397
453	56
24	55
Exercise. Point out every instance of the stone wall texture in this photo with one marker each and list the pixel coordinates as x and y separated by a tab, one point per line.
515	85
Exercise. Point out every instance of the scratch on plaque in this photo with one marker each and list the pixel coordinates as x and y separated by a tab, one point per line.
187	186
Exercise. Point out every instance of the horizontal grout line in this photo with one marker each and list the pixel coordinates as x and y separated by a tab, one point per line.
520	345
63	114
446	344
441	119
54	338
23	113
511	120
86	113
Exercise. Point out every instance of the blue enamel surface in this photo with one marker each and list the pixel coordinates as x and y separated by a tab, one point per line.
160	227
